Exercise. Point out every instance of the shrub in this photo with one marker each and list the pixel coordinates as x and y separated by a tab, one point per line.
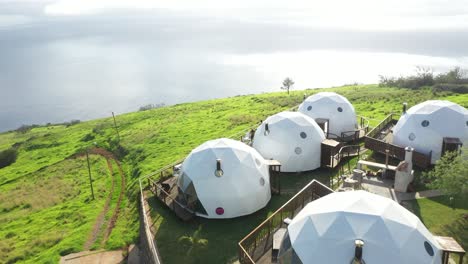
88	137
8	157
455	80
25	128
151	106
71	123
449	87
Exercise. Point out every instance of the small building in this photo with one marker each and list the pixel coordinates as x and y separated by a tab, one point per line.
333	112
428	125
224	178
358	225
292	138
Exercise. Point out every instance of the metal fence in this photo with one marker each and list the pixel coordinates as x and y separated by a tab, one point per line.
258	242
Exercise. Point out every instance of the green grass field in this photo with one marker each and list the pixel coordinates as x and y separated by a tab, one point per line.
45	209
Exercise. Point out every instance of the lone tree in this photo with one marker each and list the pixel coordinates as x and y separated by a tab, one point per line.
287	83
450	174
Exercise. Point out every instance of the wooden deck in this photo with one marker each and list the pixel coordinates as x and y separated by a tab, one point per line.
450	245
380	141
168	193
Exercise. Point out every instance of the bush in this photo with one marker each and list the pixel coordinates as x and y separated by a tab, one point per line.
449	87
151	106
455	80
25	128
71	123
88	137
8	157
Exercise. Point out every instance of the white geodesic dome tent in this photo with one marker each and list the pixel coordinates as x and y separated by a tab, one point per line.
326	229
424	126
292	138
334	107
241	186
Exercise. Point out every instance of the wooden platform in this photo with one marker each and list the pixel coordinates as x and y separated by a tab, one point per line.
375	165
449	245
168	193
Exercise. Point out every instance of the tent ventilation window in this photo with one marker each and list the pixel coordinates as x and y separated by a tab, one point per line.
412	137
425	123
303	135
218	172
340	109
466	123
310	108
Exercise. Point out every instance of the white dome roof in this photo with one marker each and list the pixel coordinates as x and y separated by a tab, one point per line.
326	229
244	186
334	107
424	126
294	139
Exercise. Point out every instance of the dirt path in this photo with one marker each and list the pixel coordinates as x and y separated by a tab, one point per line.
100	219
115	215
99	222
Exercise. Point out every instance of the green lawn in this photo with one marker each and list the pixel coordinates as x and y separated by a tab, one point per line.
215	241
444	218
151	139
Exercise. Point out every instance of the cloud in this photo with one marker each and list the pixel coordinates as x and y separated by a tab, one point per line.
358	15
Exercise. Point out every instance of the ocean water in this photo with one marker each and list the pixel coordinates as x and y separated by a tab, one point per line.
58	68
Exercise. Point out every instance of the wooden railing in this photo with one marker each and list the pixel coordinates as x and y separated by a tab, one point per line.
163	195
388	119
258	242
371	142
148	249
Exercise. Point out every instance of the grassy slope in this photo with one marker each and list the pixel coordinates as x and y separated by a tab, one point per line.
50	211
155	138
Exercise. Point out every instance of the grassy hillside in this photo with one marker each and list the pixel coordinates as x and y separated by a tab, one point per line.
45	208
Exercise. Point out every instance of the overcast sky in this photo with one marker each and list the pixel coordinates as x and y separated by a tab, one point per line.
63	60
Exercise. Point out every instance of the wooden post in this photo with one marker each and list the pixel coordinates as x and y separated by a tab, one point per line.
115	126
387	151
89	173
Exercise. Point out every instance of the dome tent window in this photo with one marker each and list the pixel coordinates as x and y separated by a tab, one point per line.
298	150
425	123
303	135
428	248
219	211
257	161
412	136
309	108
262	181
466	123
340	109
